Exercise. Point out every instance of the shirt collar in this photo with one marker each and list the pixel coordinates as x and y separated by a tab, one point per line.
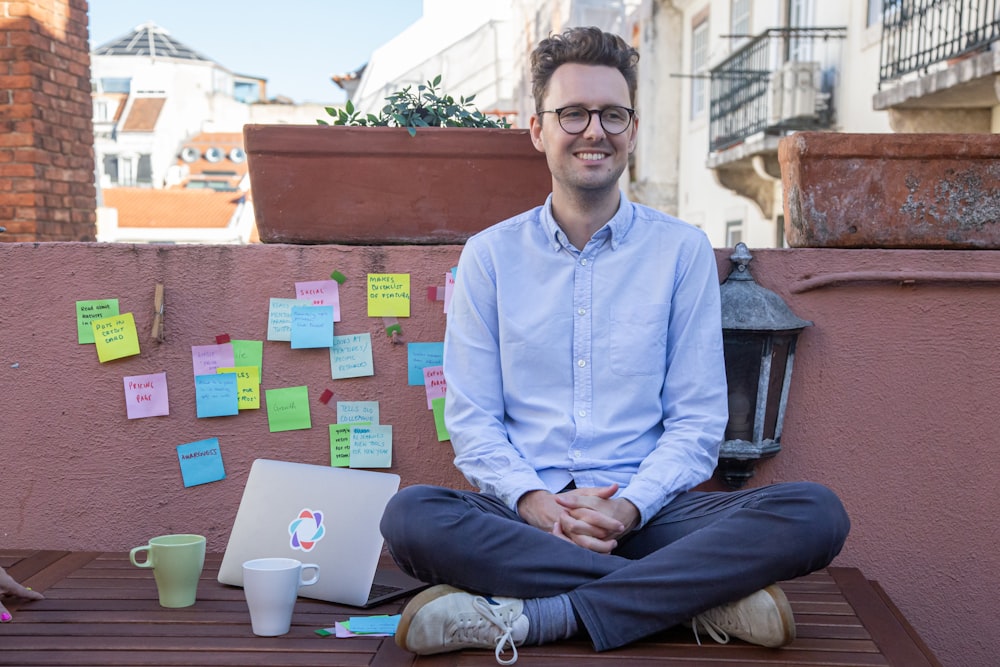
617	227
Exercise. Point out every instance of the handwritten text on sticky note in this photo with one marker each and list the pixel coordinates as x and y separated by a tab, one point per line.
388	295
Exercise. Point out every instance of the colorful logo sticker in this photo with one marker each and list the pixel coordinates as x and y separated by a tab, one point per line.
306	530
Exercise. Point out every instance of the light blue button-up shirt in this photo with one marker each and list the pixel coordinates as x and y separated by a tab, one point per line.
594	366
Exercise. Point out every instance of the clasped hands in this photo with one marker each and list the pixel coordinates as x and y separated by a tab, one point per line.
588	517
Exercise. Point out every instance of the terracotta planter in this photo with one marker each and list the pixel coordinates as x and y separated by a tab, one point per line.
891	190
379	185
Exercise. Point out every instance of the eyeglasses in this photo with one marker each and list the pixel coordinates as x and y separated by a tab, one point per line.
575	120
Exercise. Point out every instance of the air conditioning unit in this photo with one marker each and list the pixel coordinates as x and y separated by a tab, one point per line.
793	91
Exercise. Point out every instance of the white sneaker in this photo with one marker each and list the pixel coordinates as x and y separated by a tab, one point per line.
763	618
443	618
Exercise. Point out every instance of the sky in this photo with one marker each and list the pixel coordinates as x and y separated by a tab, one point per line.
297	45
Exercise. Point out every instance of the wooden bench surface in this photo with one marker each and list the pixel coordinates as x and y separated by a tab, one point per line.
100	610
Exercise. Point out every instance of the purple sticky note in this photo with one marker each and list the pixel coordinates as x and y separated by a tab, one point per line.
146	396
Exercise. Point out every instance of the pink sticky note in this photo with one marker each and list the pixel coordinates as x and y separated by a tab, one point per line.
320	293
449	289
146	396
208	358
434	383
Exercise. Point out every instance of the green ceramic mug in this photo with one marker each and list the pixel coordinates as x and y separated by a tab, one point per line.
177	561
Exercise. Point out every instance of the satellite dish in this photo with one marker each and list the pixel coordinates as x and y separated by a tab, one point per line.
237	155
189	154
214	154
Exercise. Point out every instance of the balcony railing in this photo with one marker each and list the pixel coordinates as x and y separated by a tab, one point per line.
917	34
782	80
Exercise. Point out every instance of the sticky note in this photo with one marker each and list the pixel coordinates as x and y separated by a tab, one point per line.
279	318
201	462
87	312
288	409
434	384
249	353
216	395
437	405
354	412
312	327
340	444
115	337
374	625
371	446
320	293
351	356
146	396
247	386
388	295
206	359
449	288
418	357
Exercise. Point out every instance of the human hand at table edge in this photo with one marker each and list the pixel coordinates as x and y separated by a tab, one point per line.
10	587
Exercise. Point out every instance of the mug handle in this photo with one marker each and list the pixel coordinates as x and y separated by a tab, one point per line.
149	557
315	577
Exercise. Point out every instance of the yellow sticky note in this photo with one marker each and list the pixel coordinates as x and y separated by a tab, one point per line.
247	386
115	337
388	295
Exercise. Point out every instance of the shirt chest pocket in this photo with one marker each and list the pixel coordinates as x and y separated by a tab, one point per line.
639	339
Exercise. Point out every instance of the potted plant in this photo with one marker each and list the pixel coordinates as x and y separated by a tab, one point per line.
426	170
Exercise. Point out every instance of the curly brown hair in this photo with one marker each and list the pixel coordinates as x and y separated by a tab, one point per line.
584	45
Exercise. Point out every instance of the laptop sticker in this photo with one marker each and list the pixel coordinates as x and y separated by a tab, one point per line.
306	530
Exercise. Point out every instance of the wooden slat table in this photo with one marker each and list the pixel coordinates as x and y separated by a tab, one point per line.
100	610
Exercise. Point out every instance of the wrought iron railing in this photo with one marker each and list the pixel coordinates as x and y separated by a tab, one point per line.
783	79
917	34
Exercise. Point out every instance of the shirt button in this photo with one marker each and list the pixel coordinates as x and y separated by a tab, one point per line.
577	453
581	363
582	413
582	311
583	262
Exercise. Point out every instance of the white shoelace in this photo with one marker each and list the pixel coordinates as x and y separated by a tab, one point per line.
497	616
713	630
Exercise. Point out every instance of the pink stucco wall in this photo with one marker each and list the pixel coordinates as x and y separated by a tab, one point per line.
892	402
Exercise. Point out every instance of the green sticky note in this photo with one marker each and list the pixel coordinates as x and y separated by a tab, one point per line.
115	337
288	409
437	405
87	312
340	444
388	295
249	353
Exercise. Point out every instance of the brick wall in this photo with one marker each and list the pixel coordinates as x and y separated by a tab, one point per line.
47	188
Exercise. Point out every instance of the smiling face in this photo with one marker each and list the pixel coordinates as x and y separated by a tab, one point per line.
589	164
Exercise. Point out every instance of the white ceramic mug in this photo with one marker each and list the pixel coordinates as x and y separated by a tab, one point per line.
271	586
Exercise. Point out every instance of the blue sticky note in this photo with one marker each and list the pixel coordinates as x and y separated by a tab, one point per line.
353	412
351	356
374	625
201	462
418	357
312	326
216	395
371	446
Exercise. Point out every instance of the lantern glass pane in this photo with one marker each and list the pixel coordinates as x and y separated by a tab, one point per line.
743	352
780	344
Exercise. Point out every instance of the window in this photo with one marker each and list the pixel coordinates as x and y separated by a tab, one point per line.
144	171
877	8
699	68
115	85
111	168
734	233
739	22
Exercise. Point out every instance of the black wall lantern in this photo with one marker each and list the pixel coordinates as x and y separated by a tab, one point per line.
758	335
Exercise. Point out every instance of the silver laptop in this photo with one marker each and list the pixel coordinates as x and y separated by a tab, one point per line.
323	515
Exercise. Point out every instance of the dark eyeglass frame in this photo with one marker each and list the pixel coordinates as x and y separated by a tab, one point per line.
590	117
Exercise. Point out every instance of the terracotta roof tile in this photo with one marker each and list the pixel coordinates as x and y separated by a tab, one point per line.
145	207
143	115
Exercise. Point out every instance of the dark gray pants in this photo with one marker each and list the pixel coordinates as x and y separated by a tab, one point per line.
701	550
